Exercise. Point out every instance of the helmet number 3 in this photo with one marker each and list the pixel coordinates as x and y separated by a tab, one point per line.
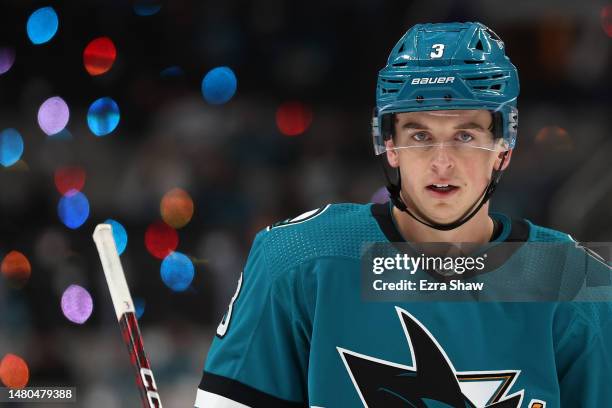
438	50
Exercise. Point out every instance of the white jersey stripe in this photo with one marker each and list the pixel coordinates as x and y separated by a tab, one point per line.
205	399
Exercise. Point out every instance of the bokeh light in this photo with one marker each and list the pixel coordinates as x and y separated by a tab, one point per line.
16	268
160	239
139	305
73	209
147	8
119	234
99	56
177	271
69	178
171	72
77	304
42	25
103	116
7	59
554	138
53	115
11	147
293	118
606	19
219	85
176	208
381	196
14	371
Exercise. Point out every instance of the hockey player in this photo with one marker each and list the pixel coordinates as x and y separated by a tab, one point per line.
299	332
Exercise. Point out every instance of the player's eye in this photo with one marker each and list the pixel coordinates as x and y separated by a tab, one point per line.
420	137
464	137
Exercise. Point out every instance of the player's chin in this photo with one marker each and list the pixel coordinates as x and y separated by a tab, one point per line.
445	211
444	215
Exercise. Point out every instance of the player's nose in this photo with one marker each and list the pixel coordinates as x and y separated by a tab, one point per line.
441	160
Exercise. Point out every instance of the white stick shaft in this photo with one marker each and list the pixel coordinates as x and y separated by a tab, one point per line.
115	278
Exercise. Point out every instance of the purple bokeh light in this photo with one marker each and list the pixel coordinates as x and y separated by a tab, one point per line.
77	304
53	115
381	196
7	58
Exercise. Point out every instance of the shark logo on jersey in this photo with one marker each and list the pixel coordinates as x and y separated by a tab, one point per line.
431	381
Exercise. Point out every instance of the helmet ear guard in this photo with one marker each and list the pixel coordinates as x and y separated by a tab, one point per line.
382	130
387	126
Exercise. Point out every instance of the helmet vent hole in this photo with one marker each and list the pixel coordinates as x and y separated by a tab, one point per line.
479	46
400	64
472	62
496	87
401	49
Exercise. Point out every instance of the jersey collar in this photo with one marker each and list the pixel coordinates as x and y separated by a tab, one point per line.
513	230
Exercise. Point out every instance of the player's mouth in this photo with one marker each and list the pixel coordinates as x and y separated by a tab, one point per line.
441	190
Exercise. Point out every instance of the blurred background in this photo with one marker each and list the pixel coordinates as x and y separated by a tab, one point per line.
193	124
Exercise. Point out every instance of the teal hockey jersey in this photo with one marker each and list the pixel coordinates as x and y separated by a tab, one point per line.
299	333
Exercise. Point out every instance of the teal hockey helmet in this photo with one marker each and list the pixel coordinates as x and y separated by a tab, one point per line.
447	66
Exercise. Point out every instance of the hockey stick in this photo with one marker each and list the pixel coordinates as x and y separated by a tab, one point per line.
124	307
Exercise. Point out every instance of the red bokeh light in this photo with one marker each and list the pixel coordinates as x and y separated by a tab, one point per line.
14	372
606	20
99	56
161	239
293	118
69	178
16	268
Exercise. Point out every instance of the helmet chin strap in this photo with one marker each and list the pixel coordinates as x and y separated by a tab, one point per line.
395	194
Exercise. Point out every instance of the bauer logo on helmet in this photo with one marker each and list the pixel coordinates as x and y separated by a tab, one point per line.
437	80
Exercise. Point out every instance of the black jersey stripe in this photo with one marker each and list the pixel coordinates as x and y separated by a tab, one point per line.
242	393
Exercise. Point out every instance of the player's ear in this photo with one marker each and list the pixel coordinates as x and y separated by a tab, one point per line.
392	156
499	158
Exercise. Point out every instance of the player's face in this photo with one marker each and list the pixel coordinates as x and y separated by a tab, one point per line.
445	160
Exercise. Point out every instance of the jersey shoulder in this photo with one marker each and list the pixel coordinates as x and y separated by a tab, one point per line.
540	234
335	230
537	233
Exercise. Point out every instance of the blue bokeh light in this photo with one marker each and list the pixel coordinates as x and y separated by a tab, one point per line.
171	72
103	116
73	209
119	234
145	8
42	25
219	85
139	305
177	271
11	147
